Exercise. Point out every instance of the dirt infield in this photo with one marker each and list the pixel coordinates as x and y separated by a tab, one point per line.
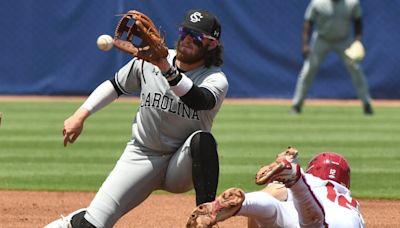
20	209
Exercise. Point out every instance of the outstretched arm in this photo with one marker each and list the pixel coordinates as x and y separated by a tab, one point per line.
103	95
74	124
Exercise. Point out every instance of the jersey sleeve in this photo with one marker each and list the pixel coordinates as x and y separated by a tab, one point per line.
217	84
357	11
127	79
309	15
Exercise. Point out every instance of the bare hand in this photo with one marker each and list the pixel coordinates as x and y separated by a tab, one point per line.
73	126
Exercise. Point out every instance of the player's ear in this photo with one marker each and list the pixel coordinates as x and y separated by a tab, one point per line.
213	44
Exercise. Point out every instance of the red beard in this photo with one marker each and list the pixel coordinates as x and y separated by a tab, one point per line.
190	58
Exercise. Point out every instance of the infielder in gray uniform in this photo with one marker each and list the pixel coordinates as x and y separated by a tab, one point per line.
333	20
172	147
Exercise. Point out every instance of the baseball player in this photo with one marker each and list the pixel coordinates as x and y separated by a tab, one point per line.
333	20
319	197
172	147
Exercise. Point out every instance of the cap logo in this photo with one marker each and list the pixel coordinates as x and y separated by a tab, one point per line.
196	17
332	173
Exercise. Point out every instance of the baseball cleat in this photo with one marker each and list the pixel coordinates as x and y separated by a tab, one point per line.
368	109
285	169
64	222
295	109
207	215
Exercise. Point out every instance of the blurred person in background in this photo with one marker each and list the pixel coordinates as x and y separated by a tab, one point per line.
333	20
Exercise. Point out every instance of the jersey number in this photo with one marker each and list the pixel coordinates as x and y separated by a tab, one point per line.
342	201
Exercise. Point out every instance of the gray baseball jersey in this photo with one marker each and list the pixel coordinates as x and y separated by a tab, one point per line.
163	121
158	156
333	19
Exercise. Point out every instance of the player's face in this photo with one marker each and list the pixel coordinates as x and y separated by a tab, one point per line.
192	46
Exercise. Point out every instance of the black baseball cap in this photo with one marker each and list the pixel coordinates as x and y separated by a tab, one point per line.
202	21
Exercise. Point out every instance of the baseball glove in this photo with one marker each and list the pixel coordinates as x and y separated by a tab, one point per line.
139	27
356	51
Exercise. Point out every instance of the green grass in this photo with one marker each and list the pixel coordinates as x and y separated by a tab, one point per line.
32	156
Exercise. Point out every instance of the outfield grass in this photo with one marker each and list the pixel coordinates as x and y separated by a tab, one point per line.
32	155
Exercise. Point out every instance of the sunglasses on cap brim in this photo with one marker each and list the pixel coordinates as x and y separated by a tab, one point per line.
197	36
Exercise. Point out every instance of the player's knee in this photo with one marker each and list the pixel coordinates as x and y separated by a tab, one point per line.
79	221
203	145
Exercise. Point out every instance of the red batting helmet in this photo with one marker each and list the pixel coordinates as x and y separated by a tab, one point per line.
330	166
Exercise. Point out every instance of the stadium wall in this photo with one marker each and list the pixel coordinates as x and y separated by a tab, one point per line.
49	47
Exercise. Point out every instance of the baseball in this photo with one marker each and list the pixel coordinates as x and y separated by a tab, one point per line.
105	42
